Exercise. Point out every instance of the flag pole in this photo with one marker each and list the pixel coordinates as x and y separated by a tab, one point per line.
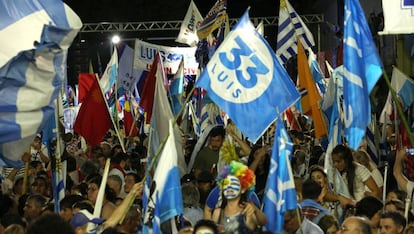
399	108
121	142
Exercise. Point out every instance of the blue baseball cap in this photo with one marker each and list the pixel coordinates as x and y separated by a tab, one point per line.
83	217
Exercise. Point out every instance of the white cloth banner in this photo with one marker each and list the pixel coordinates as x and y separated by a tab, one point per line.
171	57
398	16
188	30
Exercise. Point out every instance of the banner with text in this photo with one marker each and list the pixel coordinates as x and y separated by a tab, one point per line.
171	57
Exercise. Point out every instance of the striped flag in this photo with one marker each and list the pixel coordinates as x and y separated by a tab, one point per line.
291	28
362	70
110	75
280	193
32	69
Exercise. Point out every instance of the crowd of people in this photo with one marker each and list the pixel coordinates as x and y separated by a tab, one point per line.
222	193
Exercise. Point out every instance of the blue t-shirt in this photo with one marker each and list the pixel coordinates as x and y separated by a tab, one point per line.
214	195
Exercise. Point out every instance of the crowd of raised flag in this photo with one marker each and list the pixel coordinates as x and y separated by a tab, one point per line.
231	147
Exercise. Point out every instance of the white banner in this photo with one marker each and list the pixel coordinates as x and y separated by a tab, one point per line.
188	30
171	56
398	16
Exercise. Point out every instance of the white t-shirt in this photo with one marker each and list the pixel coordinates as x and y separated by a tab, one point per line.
362	174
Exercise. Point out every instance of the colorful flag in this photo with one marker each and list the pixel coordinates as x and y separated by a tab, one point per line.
188	30
85	82
176	89
362	70
167	181
311	101
110	75
245	77
214	19
129	126
280	194
32	68
291	28
398	17
93	119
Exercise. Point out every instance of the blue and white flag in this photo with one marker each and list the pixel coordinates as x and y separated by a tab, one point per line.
110	75
244	77
404	89
291	28
126	78
316	71
176	89
167	182
32	69
362	70
188	29
280	194
398	17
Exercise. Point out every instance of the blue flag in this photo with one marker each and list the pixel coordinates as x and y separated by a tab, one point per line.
280	193
32	69
245	79
362	69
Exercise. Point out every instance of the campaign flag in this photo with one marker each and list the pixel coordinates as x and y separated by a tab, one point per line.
93	119
362	70
176	89
110	75
85	82
260	28
373	138
280	194
167	181
188	29
398	17
244	76
214	19
291	28
126	78
36	38
311	101
156	224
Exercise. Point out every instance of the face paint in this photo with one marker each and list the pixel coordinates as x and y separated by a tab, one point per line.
233	188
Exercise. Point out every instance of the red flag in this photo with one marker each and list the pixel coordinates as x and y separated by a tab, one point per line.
129	120
85	82
147	97
93	119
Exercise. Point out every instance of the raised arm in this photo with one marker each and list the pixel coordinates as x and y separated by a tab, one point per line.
398	172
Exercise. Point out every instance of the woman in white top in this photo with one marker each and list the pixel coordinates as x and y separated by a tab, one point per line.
362	157
355	175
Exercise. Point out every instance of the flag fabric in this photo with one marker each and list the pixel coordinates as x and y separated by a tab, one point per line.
85	82
32	69
129	126
188	29
280	194
244	76
167	181
176	89
311	101
260	28
147	95
362	70
290	29
126	78
372	138
93	119
398	17
404	88
156	224
110	75
214	19
316	71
